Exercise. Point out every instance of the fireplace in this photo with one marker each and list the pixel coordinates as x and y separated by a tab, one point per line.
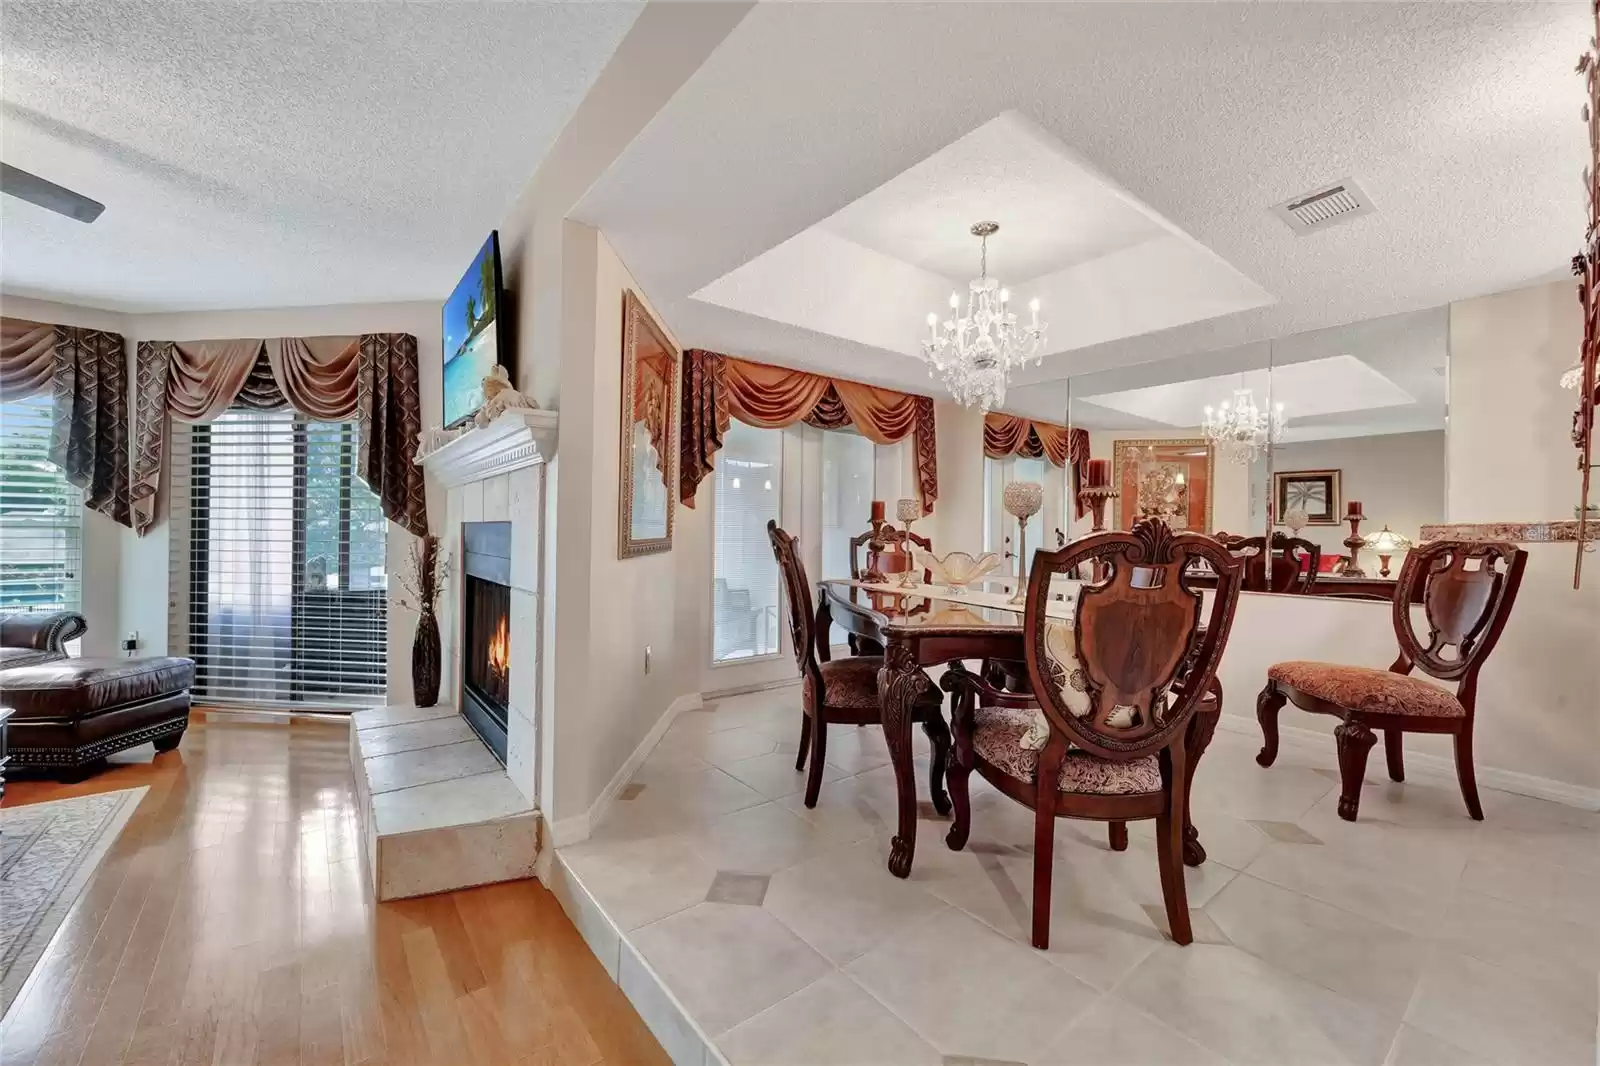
486	630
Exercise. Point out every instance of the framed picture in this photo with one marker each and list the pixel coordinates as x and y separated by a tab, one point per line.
1167	479
1314	492
648	469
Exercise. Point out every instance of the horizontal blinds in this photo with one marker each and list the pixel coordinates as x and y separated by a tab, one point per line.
279	583
41	515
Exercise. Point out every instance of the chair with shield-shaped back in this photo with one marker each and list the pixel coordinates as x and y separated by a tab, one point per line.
1115	680
1466	592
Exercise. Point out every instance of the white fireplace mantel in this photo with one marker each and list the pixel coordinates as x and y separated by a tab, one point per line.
517	438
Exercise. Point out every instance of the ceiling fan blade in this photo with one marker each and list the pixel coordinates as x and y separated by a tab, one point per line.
48	195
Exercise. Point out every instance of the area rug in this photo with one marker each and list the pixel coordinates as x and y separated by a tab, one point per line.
48	851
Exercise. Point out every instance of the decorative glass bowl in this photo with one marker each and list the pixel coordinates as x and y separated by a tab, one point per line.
956	570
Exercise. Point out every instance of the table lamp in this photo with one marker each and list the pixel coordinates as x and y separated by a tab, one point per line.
1387	544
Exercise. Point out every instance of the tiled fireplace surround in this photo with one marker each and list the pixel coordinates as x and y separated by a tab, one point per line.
439	811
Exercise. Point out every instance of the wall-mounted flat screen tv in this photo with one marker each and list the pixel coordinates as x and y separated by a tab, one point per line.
476	334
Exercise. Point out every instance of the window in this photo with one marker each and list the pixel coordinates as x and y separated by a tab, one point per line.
849	468
41	514
744	594
279	555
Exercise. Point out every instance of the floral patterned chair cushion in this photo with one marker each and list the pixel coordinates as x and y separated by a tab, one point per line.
1361	688
997	738
849	683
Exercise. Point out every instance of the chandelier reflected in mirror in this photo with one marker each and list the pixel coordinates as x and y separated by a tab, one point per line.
976	351
1240	430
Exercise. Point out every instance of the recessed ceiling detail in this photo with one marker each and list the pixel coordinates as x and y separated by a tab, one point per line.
1104	265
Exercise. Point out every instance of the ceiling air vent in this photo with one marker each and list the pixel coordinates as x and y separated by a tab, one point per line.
1321	208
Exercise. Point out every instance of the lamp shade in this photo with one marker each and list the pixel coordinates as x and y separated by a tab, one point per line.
1386	542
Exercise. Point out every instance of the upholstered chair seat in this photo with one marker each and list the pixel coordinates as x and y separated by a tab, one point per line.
997	739
848	683
1361	688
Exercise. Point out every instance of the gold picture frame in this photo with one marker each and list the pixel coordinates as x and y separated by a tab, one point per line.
1297	488
648	458
1185	466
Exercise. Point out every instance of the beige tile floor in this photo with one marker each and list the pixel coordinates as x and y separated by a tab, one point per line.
1413	937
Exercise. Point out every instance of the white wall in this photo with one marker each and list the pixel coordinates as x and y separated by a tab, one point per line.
1398	479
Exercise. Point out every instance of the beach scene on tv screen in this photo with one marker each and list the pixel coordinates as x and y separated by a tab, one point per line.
470	344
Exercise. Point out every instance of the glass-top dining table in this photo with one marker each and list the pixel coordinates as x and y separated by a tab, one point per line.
927	626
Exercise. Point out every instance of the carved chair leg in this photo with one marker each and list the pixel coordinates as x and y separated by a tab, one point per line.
1466	773
1169	847
1044	843
805	741
938	735
1268	704
1394	754
960	767
819	751
1119	835
1354	741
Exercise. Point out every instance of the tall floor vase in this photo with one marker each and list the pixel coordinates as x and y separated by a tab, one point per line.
425	660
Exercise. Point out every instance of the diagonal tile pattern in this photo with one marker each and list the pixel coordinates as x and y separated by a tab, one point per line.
1410	938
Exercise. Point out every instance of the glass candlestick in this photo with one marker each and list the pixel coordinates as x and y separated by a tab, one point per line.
908	511
1022	500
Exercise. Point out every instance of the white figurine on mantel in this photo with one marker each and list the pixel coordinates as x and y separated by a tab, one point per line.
500	396
431	440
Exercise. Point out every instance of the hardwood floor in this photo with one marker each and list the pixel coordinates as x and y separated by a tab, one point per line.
231	924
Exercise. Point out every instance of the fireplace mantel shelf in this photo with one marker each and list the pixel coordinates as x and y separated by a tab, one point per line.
518	438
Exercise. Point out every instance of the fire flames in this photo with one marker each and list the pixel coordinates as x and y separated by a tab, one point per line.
500	649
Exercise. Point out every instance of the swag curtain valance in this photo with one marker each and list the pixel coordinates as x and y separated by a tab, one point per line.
85	370
718	388
1006	435
371	378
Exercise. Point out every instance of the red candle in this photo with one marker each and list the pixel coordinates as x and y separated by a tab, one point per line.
1099	473
877	510
1352	508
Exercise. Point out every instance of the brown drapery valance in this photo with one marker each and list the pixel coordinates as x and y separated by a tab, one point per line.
86	371
1005	435
718	388
371	379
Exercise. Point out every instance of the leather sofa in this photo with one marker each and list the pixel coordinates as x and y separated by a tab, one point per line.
72	712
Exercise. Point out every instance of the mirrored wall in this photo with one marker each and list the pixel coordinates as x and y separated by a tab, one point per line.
1323	451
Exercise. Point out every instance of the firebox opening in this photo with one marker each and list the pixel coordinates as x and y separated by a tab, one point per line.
486	631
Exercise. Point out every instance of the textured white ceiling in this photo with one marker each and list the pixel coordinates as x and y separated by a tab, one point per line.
1459	120
258	155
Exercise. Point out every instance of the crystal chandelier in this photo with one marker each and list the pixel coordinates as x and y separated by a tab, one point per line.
976	352
1241	430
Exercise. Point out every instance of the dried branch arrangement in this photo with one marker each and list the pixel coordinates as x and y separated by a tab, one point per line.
426	575
1586	265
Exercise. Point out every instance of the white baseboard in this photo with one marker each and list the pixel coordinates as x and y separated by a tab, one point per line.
744	690
1438	766
579	826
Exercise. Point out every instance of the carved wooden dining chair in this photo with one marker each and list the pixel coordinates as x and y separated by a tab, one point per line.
860	551
844	691
1117	684
1291	565
1467	589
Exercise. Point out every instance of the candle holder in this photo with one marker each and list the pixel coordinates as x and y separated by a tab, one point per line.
1022	500
908	511
1355	542
1098	496
876	544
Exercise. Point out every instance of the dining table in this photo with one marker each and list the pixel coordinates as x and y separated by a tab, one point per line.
921	626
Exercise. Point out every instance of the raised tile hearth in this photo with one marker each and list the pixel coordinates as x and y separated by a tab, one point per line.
438	810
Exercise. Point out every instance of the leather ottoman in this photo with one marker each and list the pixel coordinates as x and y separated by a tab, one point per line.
69	714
